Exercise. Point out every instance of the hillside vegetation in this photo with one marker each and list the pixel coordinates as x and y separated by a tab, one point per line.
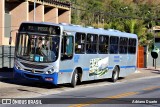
133	16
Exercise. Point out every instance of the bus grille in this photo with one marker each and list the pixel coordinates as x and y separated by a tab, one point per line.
36	71
33	76
34	66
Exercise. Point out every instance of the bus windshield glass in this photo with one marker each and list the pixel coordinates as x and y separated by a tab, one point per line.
37	48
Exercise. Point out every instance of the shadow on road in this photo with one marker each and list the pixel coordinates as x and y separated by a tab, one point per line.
7	77
23	82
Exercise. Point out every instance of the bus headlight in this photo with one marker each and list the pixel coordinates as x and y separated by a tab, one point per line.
50	71
18	66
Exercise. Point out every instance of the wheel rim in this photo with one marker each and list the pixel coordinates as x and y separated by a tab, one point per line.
115	75
76	78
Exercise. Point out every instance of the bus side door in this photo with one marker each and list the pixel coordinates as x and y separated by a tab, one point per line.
66	61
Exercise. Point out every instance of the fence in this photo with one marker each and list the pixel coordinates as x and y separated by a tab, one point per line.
6	56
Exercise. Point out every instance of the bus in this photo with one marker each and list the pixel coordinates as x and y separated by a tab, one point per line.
66	53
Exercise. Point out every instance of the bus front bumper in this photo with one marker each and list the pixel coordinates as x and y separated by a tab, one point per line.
51	78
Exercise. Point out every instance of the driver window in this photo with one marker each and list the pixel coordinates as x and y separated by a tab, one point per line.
67	48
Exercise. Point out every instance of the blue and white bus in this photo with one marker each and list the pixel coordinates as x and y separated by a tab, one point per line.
66	53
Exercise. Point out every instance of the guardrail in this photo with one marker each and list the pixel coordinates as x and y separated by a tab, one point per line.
6	56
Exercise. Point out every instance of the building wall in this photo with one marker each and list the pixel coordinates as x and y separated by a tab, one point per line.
51	15
1	20
65	17
20	12
39	17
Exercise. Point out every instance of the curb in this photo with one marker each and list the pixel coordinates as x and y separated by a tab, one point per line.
6	69
6	78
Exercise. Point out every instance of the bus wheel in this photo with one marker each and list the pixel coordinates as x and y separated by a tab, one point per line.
74	78
115	74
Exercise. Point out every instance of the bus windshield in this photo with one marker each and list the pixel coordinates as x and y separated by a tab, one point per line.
37	48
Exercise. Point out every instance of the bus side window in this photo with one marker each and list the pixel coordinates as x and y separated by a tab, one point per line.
132	46
103	44
123	45
67	48
80	43
114	40
91	43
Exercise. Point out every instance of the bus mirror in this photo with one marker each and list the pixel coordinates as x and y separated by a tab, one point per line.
10	40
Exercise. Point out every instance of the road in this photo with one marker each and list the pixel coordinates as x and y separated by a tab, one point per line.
86	96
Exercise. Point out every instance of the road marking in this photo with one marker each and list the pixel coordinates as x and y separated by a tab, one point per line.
97	101
151	88
104	99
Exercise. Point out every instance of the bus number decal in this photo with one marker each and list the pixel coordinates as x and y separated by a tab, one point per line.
76	58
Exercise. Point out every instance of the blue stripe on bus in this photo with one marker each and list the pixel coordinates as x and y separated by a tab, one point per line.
66	70
130	66
110	67
87	69
116	61
116	56
123	66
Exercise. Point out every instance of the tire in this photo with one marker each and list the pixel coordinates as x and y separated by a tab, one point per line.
74	79
115	74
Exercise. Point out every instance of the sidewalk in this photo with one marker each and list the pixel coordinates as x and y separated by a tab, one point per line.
144	72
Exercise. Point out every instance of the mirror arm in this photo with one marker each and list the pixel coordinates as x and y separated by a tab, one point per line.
10	38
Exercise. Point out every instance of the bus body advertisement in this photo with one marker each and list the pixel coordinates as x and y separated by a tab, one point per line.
63	53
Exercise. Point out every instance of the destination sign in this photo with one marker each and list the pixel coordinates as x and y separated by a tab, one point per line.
40	28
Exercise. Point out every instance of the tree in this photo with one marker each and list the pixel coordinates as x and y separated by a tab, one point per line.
131	16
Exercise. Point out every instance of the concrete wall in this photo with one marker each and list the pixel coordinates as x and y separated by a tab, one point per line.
2	7
65	17
51	15
23	11
39	17
18	14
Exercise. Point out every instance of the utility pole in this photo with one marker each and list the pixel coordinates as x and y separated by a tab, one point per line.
103	22
34	16
98	18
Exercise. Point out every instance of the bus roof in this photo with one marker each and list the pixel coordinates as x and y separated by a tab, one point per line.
79	28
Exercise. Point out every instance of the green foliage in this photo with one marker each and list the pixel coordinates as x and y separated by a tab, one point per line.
125	15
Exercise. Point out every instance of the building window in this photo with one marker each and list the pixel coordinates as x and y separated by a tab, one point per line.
132	46
123	43
103	44
80	43
114	44
91	44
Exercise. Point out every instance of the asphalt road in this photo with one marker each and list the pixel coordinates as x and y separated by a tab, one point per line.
125	93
